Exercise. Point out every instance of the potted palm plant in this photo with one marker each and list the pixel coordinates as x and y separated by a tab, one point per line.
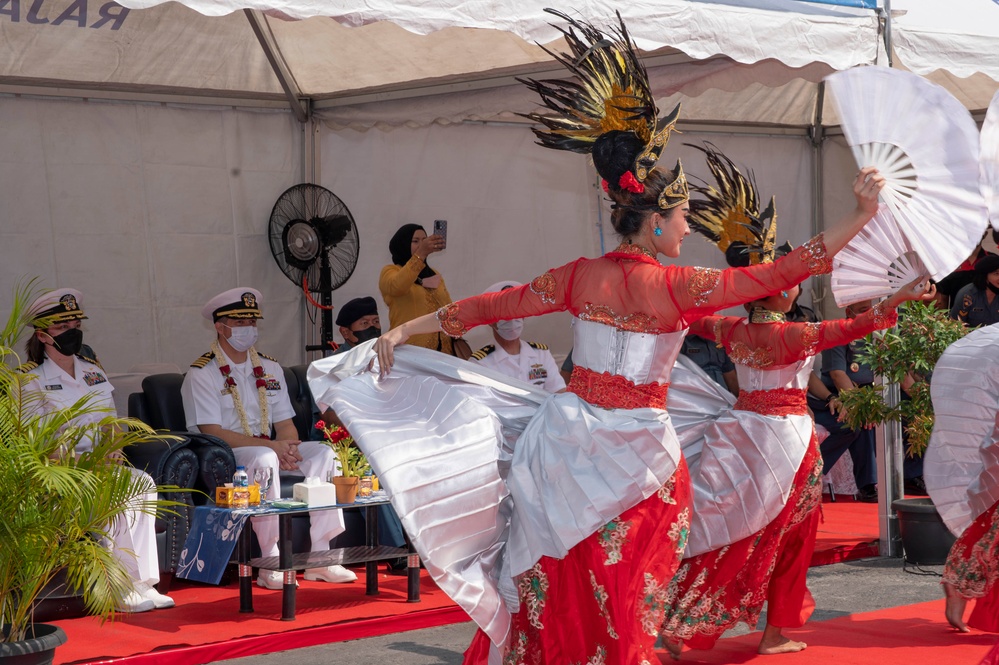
907	355
56	507
353	464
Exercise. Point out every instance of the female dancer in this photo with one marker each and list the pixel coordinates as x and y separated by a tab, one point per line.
594	503
743	552
960	469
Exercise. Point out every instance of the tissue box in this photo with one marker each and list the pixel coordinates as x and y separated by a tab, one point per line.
240	497
315	493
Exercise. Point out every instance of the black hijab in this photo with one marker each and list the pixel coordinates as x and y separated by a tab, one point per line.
401	248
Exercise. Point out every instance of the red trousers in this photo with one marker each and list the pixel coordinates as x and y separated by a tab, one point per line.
715	590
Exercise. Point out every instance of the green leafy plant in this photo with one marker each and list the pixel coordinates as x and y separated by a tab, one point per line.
352	460
56	506
903	355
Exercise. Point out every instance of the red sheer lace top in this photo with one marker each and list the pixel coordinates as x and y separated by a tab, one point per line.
778	357
633	294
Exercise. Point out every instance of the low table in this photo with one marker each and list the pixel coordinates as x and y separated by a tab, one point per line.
224	526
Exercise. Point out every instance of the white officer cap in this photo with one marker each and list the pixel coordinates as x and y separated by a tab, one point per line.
56	306
239	303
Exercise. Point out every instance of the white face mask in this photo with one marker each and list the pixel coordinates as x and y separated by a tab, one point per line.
243	337
510	330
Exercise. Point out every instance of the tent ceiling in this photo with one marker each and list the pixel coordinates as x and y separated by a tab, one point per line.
425	61
169	49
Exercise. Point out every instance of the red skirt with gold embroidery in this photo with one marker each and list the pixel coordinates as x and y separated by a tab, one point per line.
604	602
713	591
973	567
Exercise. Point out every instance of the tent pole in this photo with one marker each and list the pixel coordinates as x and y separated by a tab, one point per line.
887	23
890	442
300	106
816	136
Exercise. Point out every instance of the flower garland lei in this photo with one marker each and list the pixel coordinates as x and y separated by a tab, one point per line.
237	402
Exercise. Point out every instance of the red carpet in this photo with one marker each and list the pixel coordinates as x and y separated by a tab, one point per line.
206	624
909	635
848	530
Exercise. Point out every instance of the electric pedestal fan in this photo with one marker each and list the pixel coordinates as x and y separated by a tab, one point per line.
314	241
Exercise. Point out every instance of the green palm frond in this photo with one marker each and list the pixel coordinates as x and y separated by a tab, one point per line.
57	507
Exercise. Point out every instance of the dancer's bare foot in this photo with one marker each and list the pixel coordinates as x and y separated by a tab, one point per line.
675	647
773	643
954	608
783	645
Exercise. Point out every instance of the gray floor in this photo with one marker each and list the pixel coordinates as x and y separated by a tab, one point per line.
839	590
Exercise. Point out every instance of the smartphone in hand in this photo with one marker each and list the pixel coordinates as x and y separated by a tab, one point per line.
440	229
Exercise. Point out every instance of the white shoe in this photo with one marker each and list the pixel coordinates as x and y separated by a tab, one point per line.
160	601
335	574
133	603
271	579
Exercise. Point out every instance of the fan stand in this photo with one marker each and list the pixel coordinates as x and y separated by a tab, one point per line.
326	344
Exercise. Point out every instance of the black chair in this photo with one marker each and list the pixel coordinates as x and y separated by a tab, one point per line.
197	462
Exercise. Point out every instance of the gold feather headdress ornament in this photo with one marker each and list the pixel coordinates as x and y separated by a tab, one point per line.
728	214
611	93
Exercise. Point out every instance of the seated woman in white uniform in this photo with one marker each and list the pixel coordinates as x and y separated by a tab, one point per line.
62	377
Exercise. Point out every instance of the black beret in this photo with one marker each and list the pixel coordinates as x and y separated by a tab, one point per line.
355	309
986	264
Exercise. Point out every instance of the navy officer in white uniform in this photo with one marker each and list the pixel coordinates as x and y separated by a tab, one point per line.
528	361
62	376
236	394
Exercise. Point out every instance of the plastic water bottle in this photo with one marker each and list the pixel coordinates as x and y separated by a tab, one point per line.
240	479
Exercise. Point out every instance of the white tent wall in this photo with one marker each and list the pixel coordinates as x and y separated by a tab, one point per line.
148	210
515	209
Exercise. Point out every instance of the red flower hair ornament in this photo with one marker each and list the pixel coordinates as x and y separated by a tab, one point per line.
629	183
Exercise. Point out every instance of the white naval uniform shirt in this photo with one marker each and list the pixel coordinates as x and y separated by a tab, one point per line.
536	366
60	390
207	402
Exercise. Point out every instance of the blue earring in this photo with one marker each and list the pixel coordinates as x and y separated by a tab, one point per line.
783	294
658	231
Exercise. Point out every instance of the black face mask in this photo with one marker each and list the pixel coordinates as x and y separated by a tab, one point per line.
70	342
366	334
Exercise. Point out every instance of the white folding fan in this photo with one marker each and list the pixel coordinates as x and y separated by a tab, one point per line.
877	262
990	161
925	144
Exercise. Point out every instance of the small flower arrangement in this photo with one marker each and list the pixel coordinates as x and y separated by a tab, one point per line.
352	460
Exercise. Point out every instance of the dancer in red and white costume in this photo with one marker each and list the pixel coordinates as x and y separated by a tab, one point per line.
961	471
556	521
756	469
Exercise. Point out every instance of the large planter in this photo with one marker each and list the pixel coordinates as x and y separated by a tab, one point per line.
346	488
57	601
38	649
926	541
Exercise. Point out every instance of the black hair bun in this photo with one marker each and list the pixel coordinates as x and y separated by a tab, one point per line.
737	254
614	153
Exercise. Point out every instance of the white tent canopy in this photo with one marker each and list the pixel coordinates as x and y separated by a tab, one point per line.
152	202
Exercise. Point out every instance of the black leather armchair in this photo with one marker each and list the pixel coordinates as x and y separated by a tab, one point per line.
169	462
160	406
196	462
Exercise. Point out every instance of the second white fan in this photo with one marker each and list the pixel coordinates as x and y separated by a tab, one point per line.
877	262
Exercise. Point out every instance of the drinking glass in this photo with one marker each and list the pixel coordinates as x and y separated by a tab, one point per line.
264	477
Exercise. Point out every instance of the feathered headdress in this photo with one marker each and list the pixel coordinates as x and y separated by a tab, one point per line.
612	93
729	214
